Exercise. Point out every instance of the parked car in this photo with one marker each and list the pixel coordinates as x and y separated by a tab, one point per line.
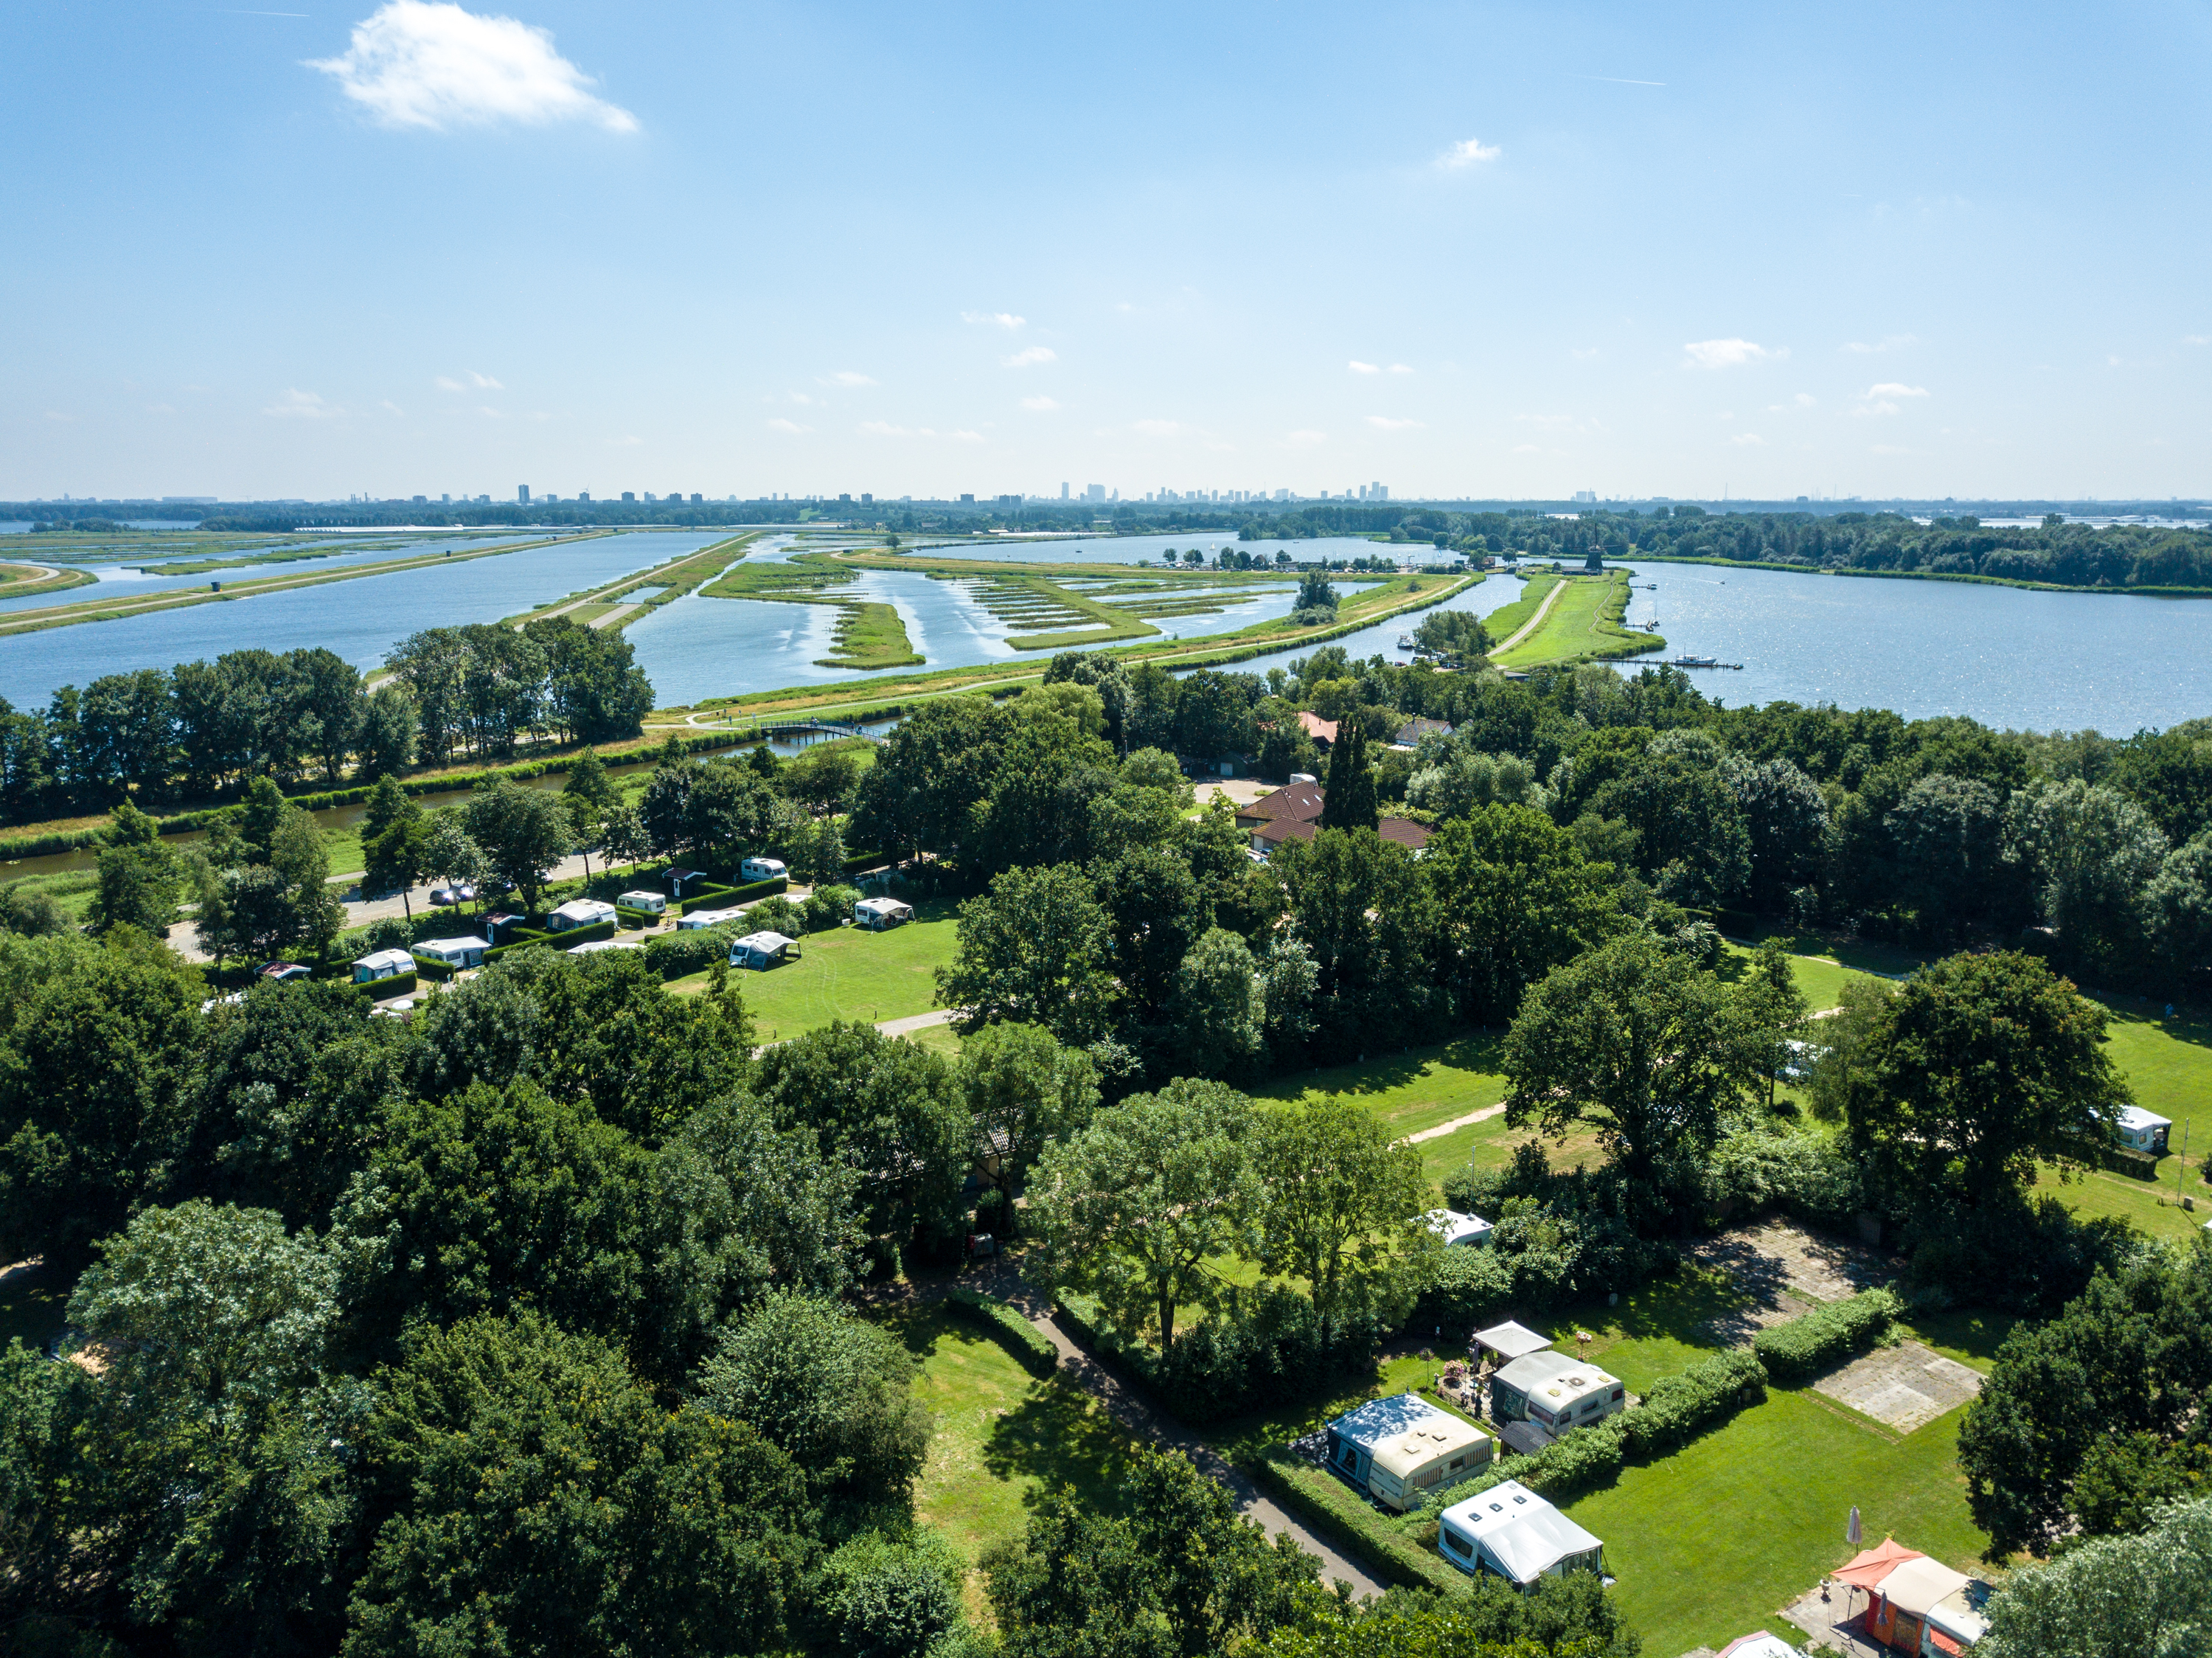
459	892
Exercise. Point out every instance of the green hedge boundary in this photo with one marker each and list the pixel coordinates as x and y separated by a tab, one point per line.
429	967
398	985
1355	1525
1804	1347
727	897
1030	1347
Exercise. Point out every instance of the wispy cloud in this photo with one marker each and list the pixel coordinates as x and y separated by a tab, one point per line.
1887	343
1727	353
846	377
421	63
1896	388
1039	404
1467	152
1544	421
61	419
780	424
1031	356
1390	424
296	404
1747	440
1305	440
1001	319
1528	449
2197	340
632	442
481	382
1156	428
1890	448
1359	368
1583	353
885	429
1614	80
1400	368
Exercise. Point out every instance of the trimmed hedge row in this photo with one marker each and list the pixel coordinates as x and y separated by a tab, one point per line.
1677	1409
567	941
728	898
1827	1335
1372	1538
428	966
1031	1348
398	985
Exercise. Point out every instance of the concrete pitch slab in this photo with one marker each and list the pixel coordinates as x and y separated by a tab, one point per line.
1903	1387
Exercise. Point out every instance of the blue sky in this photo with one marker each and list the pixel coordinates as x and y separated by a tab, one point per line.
1464	250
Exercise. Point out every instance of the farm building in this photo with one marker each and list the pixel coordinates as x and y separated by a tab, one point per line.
1916	1604
877	913
2142	1130
1511	1532
699	919
1393	1447
1458	1230
455	952
1556	1391
382	964
760	951
652	903
579	912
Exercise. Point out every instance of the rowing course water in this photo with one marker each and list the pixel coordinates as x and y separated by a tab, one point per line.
360	620
123	583
2010	657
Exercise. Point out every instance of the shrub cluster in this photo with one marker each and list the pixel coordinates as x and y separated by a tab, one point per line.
674	955
1809	1177
1029	1346
1537	1259
1271	1346
1824	1337
2024	1256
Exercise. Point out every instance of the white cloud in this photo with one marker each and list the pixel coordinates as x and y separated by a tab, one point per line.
1031	356
1527	448
2197	340
961	436
1583	353
634	442
1156	428
1400	368
446	384
1887	343
884	428
1039	404
1805	400
1890	448
1003	319
1896	388
780	424
1726	353
390	407
303	405
1305	440
1468	152
1386	423
847	377
414	63
1359	368
1747	440
61	419
1546	421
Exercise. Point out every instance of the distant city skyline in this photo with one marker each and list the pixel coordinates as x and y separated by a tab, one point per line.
1497	251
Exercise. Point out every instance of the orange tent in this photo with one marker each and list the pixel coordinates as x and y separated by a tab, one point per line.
1865	1570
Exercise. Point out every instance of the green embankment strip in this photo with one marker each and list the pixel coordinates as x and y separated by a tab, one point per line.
870	635
1507	620
110	610
323	549
21	581
1641	556
1584	625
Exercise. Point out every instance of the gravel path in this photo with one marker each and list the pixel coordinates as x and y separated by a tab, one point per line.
1534	622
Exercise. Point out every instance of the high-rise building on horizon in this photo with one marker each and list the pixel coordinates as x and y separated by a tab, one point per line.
522	493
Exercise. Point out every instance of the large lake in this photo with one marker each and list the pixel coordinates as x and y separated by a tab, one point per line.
2006	656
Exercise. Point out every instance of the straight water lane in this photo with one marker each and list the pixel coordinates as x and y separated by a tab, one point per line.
360	620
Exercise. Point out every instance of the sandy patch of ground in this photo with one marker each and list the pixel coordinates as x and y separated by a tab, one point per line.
1903	1387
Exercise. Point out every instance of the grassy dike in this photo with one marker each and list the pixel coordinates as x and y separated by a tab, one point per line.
1585	625
21	581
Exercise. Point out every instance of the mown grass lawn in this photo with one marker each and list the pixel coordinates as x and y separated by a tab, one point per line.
850	973
1710	1543
1003	1438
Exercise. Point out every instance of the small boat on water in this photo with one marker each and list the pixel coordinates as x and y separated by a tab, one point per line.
1405	642
1700	662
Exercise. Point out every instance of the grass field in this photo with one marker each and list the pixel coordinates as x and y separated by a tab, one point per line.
1709	1543
1584	623
850	973
1003	1438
